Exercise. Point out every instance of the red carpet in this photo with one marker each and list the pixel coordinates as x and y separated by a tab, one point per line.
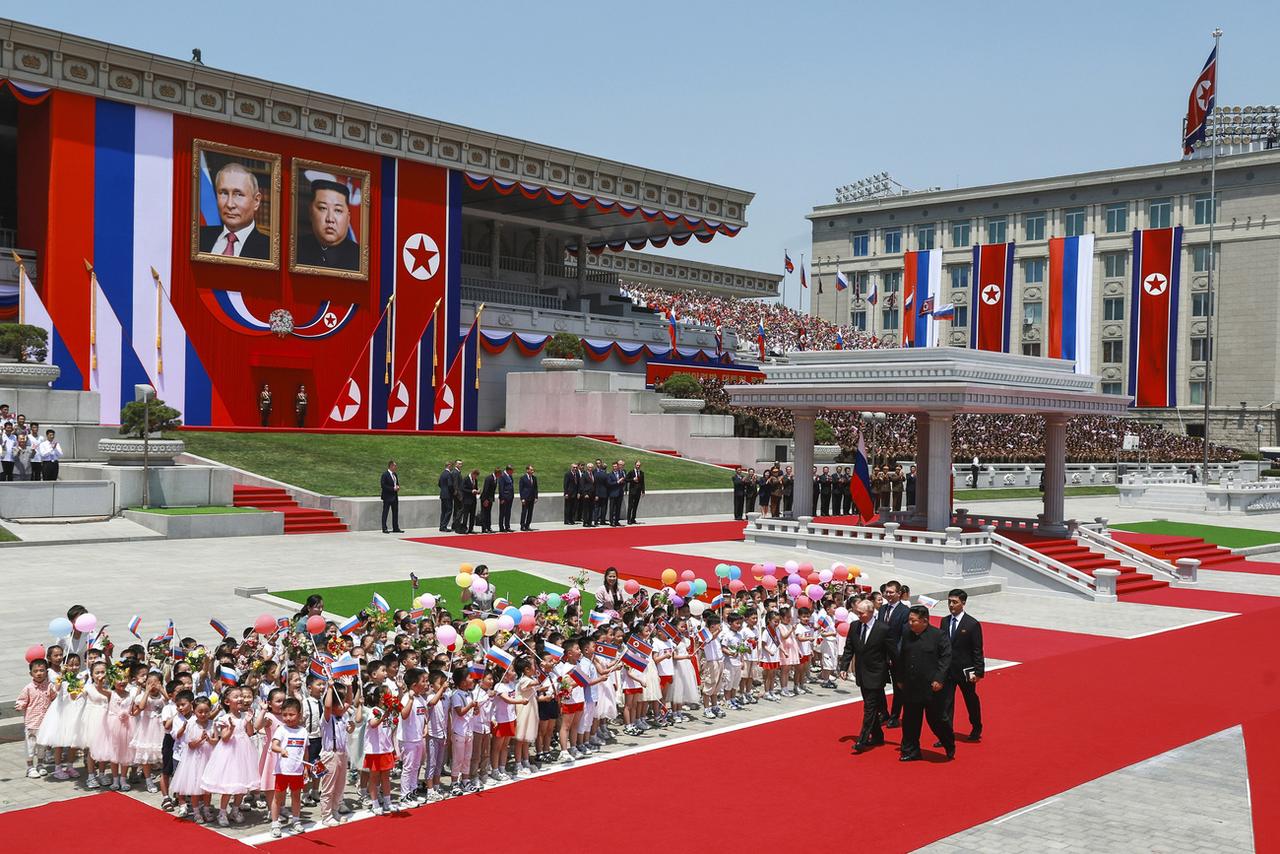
1170	548
1042	738
106	822
1262	747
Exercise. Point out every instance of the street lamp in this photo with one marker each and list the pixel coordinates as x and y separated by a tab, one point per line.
145	394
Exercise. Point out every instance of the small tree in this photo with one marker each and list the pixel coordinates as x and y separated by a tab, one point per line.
160	416
24	342
823	433
685	386
564	345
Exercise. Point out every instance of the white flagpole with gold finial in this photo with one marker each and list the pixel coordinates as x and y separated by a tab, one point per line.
22	290
477	325
435	356
93	316
386	374
159	322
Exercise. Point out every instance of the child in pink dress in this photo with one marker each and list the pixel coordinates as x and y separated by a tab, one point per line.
112	742
233	766
265	723
200	735
148	732
789	651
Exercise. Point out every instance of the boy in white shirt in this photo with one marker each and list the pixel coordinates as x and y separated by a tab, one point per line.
412	733
481	724
770	654
804	636
289	743
751	661
462	706
437	733
731	645
712	670
663	651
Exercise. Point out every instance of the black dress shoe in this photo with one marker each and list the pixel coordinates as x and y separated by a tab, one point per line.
976	735
937	744
951	754
397	531
385	531
914	756
892	723
876	740
861	746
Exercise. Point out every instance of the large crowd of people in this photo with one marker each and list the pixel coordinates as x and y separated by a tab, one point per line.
396	707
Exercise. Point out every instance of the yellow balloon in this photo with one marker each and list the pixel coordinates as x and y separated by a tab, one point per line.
668	577
491	626
417	601
463	580
854	572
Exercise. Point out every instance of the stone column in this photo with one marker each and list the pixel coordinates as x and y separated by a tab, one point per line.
939	485
802	497
922	463
540	257
1055	469
495	250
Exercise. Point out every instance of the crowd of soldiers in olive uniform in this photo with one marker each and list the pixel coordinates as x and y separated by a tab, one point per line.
772	491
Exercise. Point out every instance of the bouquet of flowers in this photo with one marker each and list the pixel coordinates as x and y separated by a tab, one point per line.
116	672
389	706
564	688
335	646
75	685
295	644
381	622
197	656
158	656
579	581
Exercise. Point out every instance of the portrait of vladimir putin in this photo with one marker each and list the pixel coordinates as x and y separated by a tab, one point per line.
324	234
239	198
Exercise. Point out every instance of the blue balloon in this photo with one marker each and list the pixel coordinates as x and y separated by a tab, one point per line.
60	627
734	573
514	613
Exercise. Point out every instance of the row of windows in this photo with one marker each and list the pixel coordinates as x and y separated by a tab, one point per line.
1033	312
1074	220
1196	387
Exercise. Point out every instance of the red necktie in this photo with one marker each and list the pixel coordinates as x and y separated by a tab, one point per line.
230	248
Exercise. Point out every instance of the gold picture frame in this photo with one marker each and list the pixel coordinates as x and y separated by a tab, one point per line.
329	231
260	247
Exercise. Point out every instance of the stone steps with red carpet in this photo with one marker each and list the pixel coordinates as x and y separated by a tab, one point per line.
1171	548
297	520
1078	557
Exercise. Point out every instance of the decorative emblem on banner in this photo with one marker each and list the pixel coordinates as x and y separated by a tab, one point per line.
991	294
421	256
347	409
445	410
399	403
1155	284
281	322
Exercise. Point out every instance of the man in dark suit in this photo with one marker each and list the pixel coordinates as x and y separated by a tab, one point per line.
238	201
587	494
602	494
391	498
487	493
824	490
839	491
893	613
617	485
752	490
788	490
920	671
968	664
868	649
739	492
445	483
528	497
506	497
469	487
635	491
571	494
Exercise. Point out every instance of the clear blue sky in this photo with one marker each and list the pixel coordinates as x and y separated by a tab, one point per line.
785	100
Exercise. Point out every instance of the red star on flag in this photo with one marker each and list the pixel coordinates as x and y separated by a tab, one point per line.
422	256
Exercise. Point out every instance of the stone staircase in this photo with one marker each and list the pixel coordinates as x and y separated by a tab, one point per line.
1171	549
1078	557
297	520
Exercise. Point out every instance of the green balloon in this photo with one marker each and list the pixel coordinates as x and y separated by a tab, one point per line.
473	634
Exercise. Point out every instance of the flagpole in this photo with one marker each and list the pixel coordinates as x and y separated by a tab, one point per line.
159	323
22	292
93	318
1212	324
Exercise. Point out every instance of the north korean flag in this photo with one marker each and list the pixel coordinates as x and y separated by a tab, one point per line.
1200	102
1153	324
990	318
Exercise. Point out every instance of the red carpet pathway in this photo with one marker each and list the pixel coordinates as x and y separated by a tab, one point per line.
106	822
1211	556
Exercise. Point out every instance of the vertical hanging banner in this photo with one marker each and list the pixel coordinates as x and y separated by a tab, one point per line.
1153	322
921	281
1070	300
992	307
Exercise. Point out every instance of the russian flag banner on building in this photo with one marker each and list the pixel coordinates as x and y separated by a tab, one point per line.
992	312
921	279
1153	323
1070	300
860	483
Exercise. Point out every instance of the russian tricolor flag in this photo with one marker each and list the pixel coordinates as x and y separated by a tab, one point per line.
553	650
228	675
760	337
671	327
991	315
219	627
921	282
842	281
579	678
860	483
380	603
873	295
345	666
598	619
1070	300
134	625
500	657
350	625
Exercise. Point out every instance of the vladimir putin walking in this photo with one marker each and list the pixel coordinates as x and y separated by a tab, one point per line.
868	648
391	499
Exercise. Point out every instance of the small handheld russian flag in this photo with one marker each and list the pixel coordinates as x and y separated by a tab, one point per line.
350	625
704	635
227	675
553	650
134	625
500	657
634	660
167	634
476	669
345	665
717	601
500	604
380	603
597	619
219	627
579	678
926	601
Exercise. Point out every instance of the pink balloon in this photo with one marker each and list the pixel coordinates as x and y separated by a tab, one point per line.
815	592
34	652
631	586
803	602
265	625
315	624
528	611
842	629
86	623
769	582
840	573
428	601
446	635
794	579
791	566
736	585
688	575
842	614
683	588
793	590
769	569
528	622
479	585
757	570
505	623
825	576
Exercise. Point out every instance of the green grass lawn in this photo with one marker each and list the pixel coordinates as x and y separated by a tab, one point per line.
341	464
511	584
6	536
1032	492
1228	538
196	511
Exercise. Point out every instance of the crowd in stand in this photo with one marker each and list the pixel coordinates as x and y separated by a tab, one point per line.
26	453
785	329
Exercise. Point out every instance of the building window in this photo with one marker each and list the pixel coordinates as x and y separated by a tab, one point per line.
1032	313
1160	213
997	229
959	274
890	318
1113	308
1112	388
892	281
1031	348
860	282
1117	218
962	318
959	234
1113	352
1074	220
1201	349
1033	226
1204	209
1197	397
1115	264
861	244
858	320
1200	258
1033	271
893	241
1201	305
924	237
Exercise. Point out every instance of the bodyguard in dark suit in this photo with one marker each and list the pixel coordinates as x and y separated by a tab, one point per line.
602	495
391	498
968	665
464	513
752	490
635	491
920	672
487	493
868	649
788	489
587	495
506	497
617	485
445	482
739	492
570	491
894	615
528	497
824	490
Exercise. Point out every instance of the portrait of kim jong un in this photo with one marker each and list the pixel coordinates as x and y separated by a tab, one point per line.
330	220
